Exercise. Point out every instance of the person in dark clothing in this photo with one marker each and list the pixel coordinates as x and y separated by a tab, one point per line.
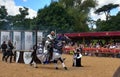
77	59
9	51
4	47
33	55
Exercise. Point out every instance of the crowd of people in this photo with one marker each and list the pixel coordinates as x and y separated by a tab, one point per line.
100	44
7	50
95	48
113	47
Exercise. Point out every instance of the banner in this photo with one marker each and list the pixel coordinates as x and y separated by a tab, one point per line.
40	36
28	40
5	36
17	40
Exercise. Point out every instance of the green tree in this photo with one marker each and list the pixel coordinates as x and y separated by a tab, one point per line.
54	17
3	15
106	9
3	12
20	21
113	24
80	10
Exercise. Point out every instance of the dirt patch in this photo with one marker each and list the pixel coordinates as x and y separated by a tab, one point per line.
93	67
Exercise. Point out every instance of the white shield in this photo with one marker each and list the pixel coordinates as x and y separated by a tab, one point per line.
27	57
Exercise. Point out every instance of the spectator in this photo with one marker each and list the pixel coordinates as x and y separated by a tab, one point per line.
9	51
4	47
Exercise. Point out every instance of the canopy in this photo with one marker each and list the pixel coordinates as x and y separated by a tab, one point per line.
93	34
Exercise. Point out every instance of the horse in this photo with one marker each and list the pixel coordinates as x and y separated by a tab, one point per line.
42	54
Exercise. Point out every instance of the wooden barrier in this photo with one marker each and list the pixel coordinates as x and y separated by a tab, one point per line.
23	56
105	52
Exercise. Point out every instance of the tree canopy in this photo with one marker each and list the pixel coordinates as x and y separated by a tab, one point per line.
106	9
55	17
3	15
112	22
18	21
80	10
62	16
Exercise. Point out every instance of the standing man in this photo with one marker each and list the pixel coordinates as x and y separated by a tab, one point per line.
9	51
33	55
4	47
50	38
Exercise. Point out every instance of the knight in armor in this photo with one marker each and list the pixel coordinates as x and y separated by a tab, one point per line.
50	44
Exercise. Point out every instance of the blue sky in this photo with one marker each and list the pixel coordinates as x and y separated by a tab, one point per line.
38	4
34	4
114	11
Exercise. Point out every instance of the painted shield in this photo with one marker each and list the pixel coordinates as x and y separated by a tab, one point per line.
27	57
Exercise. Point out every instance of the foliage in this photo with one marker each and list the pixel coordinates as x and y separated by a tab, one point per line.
3	12
54	17
62	16
3	15
80	10
106	9
113	24
18	21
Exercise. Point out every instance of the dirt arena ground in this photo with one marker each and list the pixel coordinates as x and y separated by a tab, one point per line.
93	67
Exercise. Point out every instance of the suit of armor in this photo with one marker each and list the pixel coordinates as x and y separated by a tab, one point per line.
49	44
